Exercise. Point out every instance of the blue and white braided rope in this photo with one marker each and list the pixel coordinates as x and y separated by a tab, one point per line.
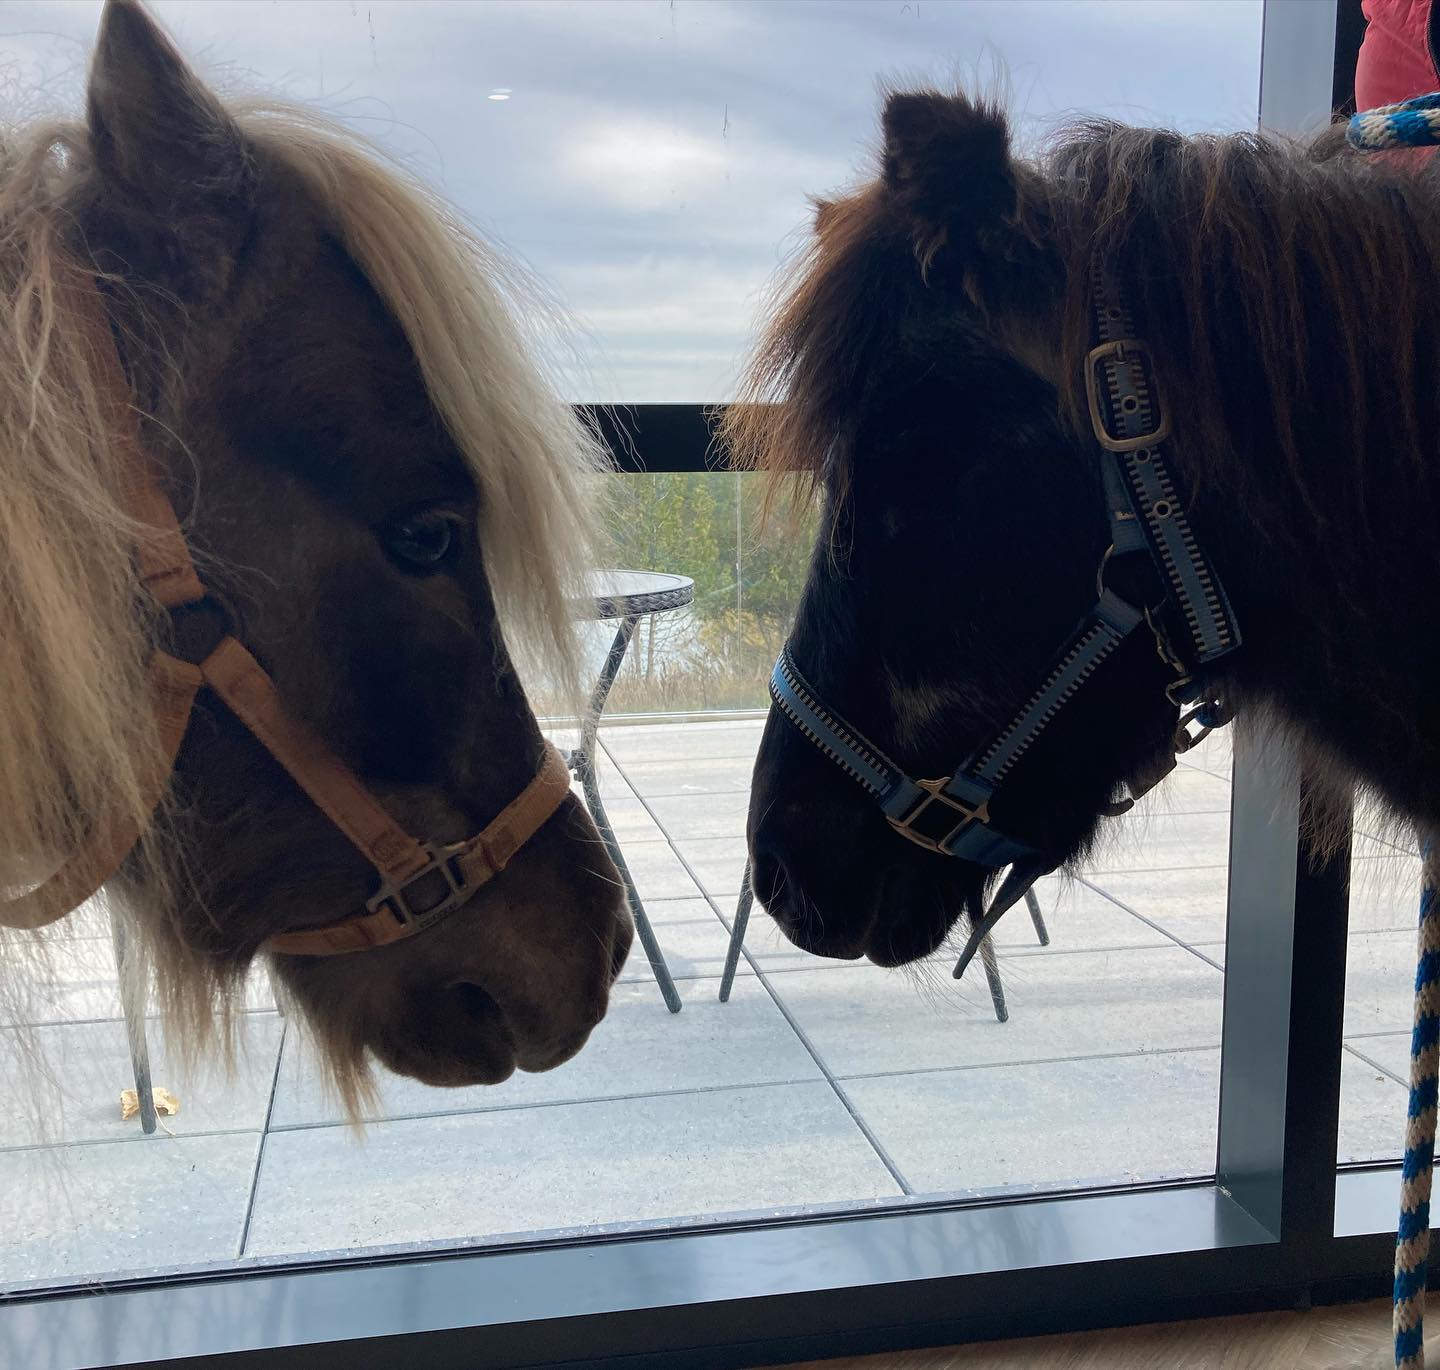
1411	123
1412	1240
1414	123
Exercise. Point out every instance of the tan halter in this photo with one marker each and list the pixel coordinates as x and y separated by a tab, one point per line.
420	882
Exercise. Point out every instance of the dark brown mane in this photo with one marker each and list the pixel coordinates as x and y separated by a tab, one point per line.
1280	287
1285	288
807	359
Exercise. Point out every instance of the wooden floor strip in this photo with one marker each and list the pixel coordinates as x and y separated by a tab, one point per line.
1344	1337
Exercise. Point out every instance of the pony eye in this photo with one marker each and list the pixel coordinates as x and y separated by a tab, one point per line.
422	541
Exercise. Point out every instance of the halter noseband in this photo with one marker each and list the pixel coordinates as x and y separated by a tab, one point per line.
421	882
951	816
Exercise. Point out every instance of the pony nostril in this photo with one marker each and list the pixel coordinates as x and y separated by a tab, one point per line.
474	1003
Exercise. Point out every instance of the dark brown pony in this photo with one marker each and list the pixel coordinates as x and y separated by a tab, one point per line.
381	490
924	366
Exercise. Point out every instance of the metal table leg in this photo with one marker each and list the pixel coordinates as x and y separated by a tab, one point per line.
992	974
582	762
132	1000
737	934
1041	931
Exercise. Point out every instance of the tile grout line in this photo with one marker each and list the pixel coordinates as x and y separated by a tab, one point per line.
264	1137
1036	1061
99	1022
1150	922
840	1092
322	1124
1017	953
571	1102
142	1140
319	1125
1375	1065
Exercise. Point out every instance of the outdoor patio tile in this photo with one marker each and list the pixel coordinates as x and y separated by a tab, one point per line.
1375	820
613	784
639	1048
666	742
74	981
1372	1113
679	910
1081	1004
691	950
1390	1051
1101	1121
702	815
1154	840
691	775
69	1078
718	863
1385	892
1211	951
1077	918
115	1207
1188	790
1365	846
657	871
524	1170
1379	982
630	820
1189	903
1214	754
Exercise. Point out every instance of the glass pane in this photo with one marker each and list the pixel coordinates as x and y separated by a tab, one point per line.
651	162
1379	989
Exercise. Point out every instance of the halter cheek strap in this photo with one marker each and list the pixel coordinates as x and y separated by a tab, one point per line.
420	882
952	816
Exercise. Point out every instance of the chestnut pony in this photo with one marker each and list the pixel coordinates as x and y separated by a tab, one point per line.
930	365
382	499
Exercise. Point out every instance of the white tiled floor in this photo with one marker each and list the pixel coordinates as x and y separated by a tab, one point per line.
819	1084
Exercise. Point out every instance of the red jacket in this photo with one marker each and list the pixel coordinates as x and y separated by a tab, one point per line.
1398	55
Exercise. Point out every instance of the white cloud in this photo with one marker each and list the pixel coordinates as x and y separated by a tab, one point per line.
654	159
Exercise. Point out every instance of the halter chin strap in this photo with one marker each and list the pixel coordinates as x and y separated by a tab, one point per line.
951	816
420	882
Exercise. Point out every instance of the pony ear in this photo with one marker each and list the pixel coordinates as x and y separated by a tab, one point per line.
947	167
175	181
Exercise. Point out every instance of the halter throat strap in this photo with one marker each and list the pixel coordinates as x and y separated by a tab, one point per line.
420	882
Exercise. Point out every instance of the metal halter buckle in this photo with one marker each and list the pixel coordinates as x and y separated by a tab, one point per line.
1209	714
1122	351
401	901
935	793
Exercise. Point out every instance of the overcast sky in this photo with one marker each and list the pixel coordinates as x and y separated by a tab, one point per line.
652	158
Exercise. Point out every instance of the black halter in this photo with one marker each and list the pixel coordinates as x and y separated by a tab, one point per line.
951	816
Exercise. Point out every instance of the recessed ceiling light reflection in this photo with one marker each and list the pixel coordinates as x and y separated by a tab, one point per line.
499	93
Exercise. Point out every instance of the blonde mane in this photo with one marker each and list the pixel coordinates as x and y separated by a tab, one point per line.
76	736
